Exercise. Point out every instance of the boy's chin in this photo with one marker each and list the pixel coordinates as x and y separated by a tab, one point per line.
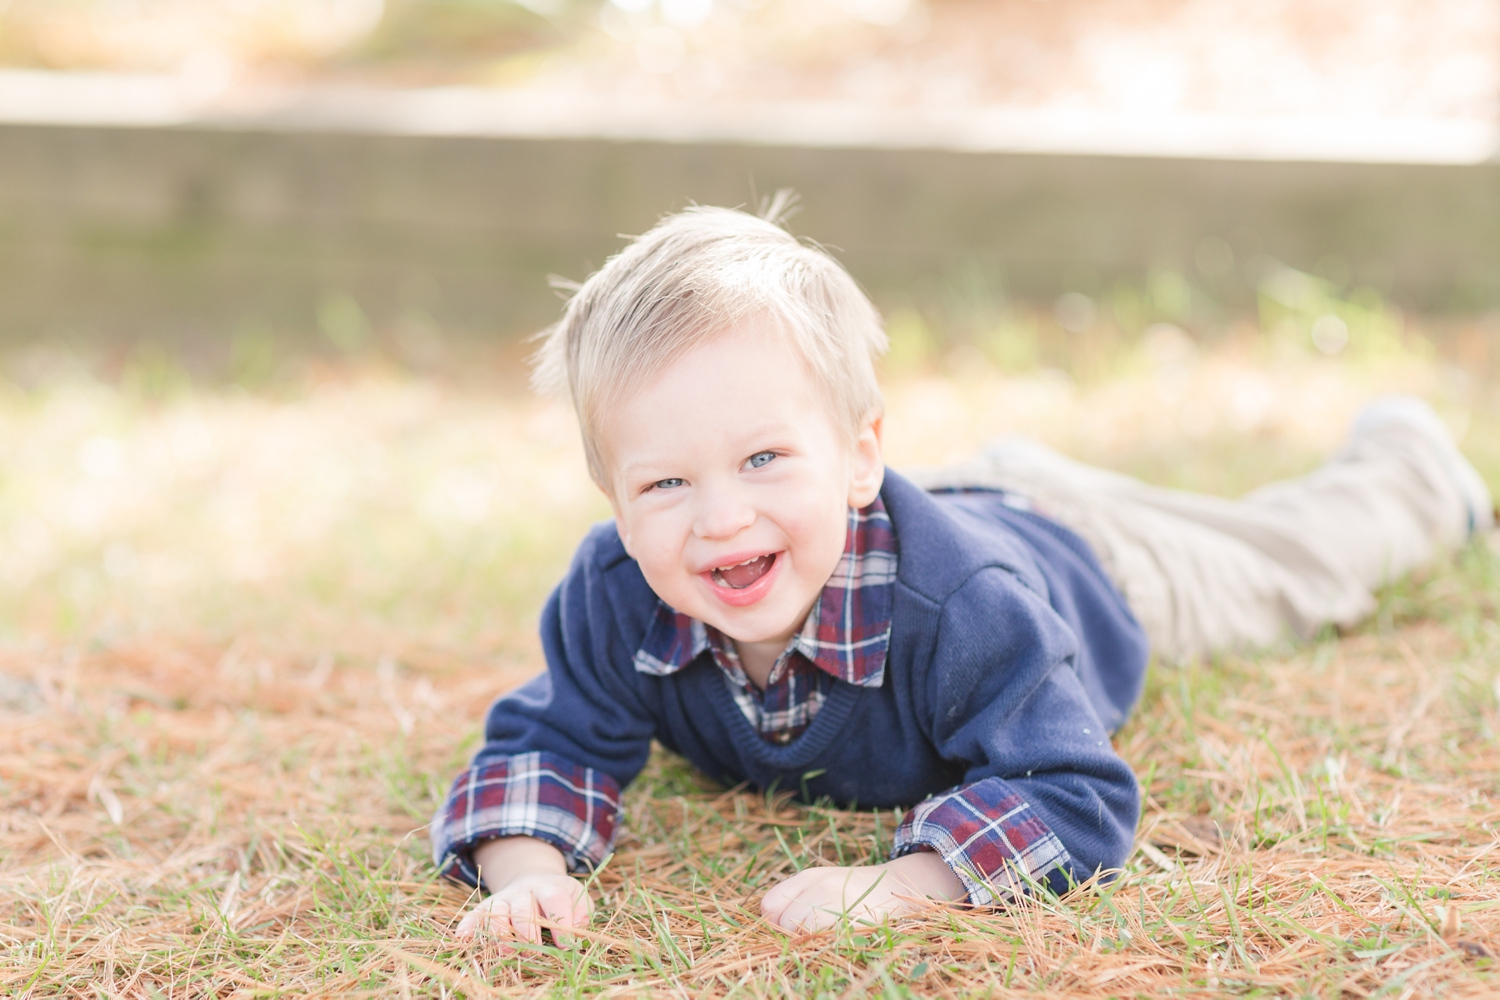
759	627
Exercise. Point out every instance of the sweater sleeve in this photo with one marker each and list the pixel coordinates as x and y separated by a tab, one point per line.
1045	799
558	750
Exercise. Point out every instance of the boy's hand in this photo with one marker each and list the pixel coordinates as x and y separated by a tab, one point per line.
512	913
820	897
528	882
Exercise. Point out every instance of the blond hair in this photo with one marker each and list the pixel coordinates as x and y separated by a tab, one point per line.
697	274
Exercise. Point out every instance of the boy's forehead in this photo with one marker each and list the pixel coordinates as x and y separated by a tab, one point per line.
733	392
751	364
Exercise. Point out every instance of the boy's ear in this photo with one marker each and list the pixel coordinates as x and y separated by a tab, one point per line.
868	468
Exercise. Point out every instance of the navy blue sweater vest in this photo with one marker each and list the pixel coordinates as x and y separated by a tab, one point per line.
1011	656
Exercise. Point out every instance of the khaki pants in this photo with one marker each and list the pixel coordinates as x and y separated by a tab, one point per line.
1203	573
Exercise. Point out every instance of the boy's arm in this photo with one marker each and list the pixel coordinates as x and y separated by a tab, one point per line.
985	841
1045	799
558	750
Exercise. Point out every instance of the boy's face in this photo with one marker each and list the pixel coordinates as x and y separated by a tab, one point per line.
731	484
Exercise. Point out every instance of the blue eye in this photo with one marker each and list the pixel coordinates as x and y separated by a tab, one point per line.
666	484
761	458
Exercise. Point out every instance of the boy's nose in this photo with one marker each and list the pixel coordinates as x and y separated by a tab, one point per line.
722	515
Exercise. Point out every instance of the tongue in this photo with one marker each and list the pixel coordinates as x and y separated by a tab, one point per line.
740	577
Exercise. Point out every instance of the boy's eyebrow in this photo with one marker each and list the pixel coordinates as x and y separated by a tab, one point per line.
765	436
635	469
654	466
640	473
648	470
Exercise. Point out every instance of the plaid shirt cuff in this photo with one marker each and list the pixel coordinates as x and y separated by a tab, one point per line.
538	795
994	842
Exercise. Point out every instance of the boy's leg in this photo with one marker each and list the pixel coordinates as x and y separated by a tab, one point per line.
1203	573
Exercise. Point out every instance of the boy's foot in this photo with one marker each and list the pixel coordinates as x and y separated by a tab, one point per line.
1413	413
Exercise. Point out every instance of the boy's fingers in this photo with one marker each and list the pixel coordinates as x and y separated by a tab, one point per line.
793	904
803	917
524	920
821	898
792	916
562	910
774	903
473	919
492	917
518	912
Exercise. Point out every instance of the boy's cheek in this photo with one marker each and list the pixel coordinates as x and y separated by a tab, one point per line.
622	525
661	566
644	534
664	580
816	530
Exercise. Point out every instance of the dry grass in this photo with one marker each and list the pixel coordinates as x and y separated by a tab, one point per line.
233	687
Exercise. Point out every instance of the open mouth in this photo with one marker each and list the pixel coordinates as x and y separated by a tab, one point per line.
741	575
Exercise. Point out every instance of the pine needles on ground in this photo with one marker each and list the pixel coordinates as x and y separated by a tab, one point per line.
215	776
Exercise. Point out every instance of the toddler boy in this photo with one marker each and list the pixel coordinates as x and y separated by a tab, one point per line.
775	605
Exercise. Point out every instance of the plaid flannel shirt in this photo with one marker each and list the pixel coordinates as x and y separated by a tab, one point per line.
987	834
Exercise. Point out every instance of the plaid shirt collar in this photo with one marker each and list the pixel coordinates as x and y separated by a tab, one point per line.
847	633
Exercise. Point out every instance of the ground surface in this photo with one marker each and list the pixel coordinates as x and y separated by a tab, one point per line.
248	638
